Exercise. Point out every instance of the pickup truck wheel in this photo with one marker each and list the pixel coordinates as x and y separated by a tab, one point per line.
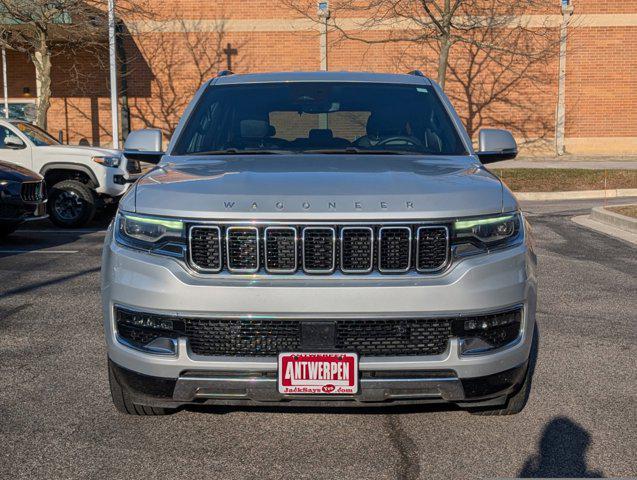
71	204
123	403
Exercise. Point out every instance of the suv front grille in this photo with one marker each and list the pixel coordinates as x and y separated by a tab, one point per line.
252	337
352	249
33	192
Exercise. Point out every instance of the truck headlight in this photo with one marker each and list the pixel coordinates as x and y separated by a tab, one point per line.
489	232
107	161
154	234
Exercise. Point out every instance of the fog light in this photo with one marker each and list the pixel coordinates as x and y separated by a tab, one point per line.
483	333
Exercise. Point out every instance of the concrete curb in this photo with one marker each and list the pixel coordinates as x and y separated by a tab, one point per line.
602	215
577	195
609	230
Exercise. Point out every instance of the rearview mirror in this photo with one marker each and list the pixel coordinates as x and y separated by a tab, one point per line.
13	142
144	145
496	145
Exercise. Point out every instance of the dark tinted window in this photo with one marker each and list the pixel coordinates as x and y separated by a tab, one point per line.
301	117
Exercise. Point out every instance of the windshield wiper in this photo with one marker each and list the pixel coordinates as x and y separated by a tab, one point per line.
363	151
235	151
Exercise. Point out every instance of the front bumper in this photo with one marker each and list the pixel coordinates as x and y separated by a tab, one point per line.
376	388
115	182
480	284
14	210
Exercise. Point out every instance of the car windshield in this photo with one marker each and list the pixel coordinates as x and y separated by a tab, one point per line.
38	136
320	117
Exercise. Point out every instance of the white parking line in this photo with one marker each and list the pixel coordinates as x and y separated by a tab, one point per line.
40	251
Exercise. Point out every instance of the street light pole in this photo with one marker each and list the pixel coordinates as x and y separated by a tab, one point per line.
324	16
113	71
4	82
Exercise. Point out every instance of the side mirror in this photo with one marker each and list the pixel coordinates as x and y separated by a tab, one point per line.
496	145
13	142
144	145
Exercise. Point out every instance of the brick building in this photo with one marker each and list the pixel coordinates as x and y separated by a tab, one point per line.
166	58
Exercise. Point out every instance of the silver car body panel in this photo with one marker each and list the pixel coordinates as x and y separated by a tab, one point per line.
305	187
479	284
292	189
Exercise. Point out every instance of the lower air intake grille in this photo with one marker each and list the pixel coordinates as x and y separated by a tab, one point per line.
251	337
394	337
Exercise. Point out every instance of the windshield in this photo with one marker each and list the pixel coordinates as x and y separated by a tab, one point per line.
38	136
326	117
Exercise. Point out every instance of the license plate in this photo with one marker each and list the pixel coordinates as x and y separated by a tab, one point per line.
318	373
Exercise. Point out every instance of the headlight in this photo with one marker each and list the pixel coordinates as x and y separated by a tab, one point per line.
156	234
488	232
112	161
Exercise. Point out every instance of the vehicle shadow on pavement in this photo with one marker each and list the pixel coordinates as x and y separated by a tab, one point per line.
562	452
46	283
43	235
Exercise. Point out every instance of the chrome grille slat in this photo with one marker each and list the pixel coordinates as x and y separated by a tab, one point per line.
319	248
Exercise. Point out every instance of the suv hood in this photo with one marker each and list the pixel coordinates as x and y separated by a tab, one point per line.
319	187
16	173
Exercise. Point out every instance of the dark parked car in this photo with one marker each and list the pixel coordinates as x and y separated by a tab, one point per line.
22	197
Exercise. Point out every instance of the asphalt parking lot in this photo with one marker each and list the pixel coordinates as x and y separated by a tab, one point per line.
57	421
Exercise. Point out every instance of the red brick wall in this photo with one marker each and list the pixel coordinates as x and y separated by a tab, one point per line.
601	82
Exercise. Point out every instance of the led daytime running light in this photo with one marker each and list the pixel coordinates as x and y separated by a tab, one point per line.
172	224
466	224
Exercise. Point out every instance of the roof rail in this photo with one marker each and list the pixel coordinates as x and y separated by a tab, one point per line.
418	73
225	73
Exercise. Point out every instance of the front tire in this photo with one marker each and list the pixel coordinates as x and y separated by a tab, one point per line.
124	404
71	204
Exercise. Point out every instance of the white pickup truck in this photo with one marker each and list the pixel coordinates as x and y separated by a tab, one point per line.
79	179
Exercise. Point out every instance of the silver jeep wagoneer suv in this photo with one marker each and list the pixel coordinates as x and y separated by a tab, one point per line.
319	239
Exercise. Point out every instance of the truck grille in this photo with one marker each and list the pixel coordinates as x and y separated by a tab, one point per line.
268	337
352	249
33	192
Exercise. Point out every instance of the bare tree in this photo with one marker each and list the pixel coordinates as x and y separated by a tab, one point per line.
43	29
179	65
438	24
